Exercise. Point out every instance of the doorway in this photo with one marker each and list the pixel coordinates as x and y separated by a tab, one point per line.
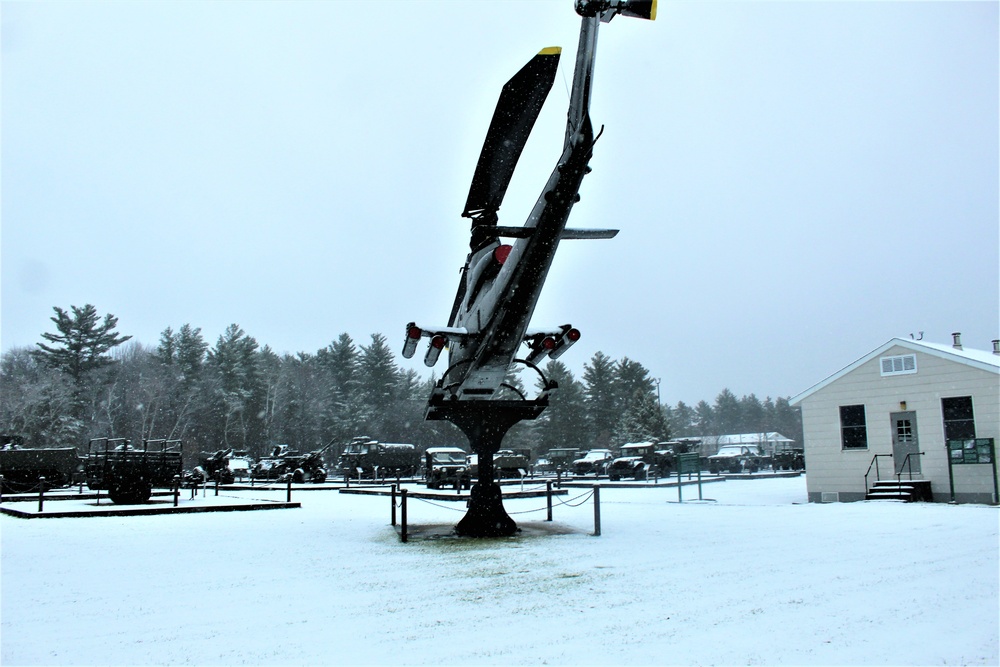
905	441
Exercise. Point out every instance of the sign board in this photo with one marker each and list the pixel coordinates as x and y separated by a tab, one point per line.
979	450
688	463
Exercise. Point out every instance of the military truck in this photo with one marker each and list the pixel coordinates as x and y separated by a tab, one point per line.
638	460
595	462
22	467
736	459
371	459
508	463
786	457
561	458
446	467
128	472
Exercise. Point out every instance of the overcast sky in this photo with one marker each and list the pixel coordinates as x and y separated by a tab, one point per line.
795	182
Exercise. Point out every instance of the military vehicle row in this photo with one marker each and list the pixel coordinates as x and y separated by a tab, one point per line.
364	457
21	468
129	472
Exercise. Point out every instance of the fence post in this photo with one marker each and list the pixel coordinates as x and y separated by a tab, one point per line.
177	489
393	504
402	532
597	510
288	497
41	493
548	500
680	483
216	486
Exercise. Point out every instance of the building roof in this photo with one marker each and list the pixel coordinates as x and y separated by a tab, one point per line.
980	359
745	438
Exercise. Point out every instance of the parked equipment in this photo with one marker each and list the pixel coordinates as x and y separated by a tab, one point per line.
129	473
371	459
21	468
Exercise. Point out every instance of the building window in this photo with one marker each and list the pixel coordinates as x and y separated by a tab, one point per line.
959	423
853	432
902	365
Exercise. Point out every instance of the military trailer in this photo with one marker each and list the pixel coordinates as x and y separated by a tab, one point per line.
127	472
21	468
364	457
446	467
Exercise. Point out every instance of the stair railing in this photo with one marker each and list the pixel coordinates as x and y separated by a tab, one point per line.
909	469
870	465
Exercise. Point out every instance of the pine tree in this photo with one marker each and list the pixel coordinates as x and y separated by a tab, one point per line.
82	343
600	381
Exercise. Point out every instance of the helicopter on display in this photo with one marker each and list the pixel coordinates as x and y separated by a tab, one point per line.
501	282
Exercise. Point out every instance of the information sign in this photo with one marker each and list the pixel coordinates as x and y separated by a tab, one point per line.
979	450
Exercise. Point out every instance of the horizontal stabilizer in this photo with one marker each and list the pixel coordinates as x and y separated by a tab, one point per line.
526	232
608	9
517	110
589	234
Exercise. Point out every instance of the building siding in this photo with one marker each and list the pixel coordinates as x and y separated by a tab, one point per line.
833	470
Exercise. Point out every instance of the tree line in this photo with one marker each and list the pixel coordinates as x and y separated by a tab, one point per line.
88	381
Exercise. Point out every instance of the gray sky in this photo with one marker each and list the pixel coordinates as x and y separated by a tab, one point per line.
796	182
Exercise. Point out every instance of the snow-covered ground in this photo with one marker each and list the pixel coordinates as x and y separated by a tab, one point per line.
756	577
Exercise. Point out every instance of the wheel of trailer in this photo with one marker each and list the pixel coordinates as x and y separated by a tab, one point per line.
135	493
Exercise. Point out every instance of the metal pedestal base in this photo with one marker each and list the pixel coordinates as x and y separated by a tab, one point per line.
485	423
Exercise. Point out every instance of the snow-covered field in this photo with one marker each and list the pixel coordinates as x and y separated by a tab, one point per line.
756	577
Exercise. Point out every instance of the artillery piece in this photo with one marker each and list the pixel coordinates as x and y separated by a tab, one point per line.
212	467
285	464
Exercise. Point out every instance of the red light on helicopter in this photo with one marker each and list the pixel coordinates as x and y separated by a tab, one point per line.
501	253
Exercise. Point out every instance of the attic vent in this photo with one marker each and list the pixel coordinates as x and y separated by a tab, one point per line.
902	365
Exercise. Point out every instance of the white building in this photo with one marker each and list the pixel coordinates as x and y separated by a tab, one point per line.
893	410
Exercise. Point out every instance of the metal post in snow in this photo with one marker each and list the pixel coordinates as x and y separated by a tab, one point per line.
402	532
288	497
41	493
393	504
548	500
177	489
597	510
216	486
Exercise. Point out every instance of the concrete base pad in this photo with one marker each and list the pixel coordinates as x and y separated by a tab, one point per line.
525	529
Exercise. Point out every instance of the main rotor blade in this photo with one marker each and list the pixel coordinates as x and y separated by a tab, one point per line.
519	105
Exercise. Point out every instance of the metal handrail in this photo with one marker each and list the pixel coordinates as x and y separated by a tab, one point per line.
909	468
873	463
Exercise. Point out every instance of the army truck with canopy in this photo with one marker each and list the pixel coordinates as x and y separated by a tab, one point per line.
127	472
